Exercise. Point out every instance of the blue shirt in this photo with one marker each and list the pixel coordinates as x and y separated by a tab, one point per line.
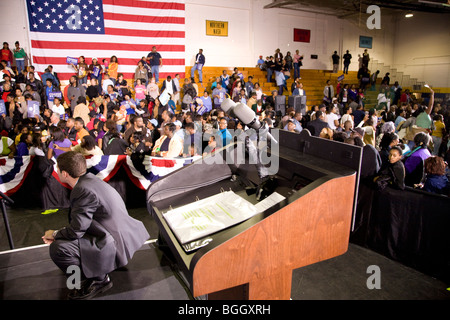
226	136
155	56
207	103
298	126
22	149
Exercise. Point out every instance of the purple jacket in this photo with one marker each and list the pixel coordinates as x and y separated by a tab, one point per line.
413	161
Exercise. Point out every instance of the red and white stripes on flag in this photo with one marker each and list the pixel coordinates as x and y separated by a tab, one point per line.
127	29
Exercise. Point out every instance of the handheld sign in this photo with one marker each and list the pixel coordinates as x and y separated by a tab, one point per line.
164	97
33	108
2	107
53	95
96	72
71	60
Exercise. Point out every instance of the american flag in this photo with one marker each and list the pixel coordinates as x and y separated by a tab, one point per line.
127	29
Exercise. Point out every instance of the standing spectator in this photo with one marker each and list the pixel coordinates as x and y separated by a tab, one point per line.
74	92
328	92
438	133
92	68
198	65
176	97
365	58
20	56
155	61
335	57
113	68
297	59
289	61
6	54
347	60
140	73
386	78
260	63
82	70
225	135
218	95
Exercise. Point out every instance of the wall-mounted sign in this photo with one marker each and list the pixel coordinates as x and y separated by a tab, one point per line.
365	42
302	35
217	28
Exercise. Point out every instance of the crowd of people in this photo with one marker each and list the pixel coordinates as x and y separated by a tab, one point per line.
104	114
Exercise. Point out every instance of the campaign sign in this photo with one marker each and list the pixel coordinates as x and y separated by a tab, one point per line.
164	97
33	108
96	72
53	95
341	77
2	107
71	60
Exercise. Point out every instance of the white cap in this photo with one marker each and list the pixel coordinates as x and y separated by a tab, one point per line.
178	123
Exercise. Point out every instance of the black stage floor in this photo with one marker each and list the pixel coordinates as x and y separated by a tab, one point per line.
27	273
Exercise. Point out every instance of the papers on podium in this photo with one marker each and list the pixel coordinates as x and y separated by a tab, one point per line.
204	217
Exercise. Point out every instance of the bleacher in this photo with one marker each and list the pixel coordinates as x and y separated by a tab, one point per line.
313	80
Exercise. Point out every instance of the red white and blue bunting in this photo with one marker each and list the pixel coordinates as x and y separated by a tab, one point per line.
14	171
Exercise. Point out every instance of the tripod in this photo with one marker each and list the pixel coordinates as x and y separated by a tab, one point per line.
5	198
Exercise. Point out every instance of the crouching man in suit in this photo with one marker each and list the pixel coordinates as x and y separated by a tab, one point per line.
100	237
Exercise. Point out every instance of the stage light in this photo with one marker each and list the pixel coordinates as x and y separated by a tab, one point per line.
409	15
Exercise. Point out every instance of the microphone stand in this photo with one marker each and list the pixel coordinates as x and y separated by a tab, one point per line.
268	184
5	198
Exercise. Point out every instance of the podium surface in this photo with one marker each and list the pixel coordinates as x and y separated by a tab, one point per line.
254	259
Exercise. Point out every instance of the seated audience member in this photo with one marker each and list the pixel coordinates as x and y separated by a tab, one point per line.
97	132
211	147
23	147
115	145
167	146
436	180
137	149
389	140
224	133
37	147
57	107
290	126
326	133
316	126
87	147
79	128
192	138
347	116
414	160
137	125
369	131
394	174
387	127
59	141
258	107
152	128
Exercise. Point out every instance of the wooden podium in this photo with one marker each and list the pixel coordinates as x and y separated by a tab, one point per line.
254	259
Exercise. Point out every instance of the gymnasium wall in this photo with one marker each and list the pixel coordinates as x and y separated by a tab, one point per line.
418	46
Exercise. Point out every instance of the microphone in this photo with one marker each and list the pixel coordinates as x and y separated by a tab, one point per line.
246	115
242	112
249	118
